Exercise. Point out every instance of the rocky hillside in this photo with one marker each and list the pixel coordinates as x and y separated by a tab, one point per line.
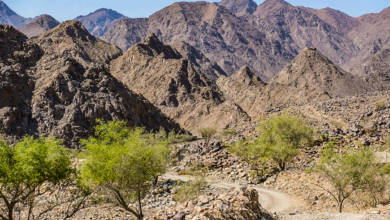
57	84
98	22
176	86
213	30
239	7
8	16
311	76
126	32
39	25
244	88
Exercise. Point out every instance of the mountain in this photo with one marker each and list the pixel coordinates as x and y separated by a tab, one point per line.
371	36
58	84
7	16
311	77
39	25
239	7
341	21
376	69
245	89
126	32
99	21
16	59
304	28
212	70
176	86
221	36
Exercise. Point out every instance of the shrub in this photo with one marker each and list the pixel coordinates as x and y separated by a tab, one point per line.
229	132
207	133
381	105
190	190
124	162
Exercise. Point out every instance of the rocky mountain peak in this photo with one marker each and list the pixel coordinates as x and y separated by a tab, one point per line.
9	33
98	22
240	7
247	77
72	28
272	5
154	47
39	25
311	76
8	16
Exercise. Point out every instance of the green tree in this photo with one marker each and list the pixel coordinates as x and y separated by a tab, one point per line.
24	171
350	171
123	162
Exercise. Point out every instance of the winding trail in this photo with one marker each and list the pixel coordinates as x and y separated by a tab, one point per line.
271	200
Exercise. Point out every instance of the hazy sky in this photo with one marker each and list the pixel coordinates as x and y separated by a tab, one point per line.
68	9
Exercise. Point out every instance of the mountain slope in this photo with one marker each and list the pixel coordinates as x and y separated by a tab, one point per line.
39	25
57	85
174	85
239	7
305	29
218	34
98	22
311	77
245	89
7	16
126	32
16	84
371	36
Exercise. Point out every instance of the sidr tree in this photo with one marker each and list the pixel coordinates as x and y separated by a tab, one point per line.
31	168
122	163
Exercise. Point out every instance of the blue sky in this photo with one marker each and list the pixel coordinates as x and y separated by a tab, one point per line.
68	9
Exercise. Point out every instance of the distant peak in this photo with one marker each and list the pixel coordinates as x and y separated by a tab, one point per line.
72	28
247	77
277	2
152	45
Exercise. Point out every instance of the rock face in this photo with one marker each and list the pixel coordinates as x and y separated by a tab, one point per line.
311	77
63	85
245	89
126	32
240	7
371	36
304	29
174	85
240	204
7	16
212	70
16	84
213	30
39	25
98	22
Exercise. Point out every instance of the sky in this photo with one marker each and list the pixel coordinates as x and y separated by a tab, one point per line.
69	9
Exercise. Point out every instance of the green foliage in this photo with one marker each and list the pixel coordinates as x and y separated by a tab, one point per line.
280	140
190	190
207	132
28	165
381	105
123	161
173	137
229	132
386	146
350	171
196	169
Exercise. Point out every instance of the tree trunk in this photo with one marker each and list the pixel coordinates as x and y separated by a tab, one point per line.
341	207
141	215
10	212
